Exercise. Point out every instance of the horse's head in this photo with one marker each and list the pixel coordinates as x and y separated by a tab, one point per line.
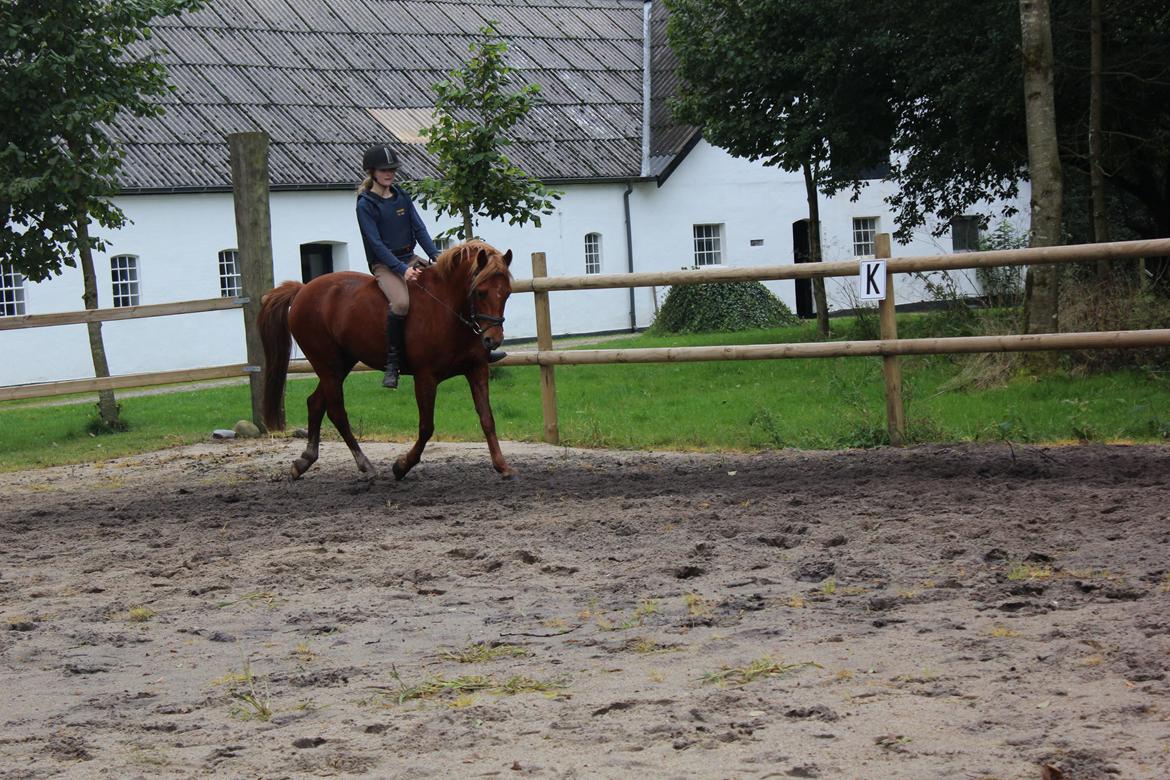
489	283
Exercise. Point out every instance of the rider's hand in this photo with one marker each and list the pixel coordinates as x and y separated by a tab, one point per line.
412	274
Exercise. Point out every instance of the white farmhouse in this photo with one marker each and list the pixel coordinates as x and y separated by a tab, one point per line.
325	80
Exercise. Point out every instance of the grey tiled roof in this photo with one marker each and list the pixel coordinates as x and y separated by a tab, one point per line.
669	140
318	75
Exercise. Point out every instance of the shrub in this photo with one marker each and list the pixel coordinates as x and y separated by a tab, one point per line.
1115	304
724	306
1003	286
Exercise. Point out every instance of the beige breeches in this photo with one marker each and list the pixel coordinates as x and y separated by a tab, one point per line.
394	287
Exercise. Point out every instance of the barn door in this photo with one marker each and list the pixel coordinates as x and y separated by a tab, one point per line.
316	260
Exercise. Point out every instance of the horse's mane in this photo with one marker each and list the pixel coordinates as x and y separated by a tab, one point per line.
461	258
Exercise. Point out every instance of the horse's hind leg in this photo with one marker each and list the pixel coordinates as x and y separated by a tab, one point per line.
424	396
316	404
335	407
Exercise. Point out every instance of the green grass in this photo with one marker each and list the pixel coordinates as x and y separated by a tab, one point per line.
760	668
438	685
812	404
482	652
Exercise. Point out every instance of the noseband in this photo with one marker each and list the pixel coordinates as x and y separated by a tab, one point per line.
473	323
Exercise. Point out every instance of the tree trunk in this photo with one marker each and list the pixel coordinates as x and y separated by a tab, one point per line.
1040	305
468	228
814	249
1096	174
107	404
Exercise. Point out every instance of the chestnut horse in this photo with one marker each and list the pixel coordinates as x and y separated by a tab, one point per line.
339	319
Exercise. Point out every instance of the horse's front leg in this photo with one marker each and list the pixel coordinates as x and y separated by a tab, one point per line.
478	379
424	396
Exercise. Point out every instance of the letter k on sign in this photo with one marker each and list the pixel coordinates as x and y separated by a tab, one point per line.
871	282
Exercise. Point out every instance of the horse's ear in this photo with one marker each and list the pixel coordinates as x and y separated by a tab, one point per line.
508	258
481	259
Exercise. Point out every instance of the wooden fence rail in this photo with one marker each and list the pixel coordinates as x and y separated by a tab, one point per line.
1134	339
121	381
121	313
1078	253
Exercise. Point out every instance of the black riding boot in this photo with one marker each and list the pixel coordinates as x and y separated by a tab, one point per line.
494	356
395	347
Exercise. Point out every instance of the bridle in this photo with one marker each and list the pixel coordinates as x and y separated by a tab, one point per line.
473	321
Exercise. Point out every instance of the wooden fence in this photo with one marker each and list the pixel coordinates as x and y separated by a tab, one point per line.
889	347
256	263
66	387
249	160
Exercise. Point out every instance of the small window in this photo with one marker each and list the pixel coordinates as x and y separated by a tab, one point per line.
230	285
124	272
592	253
11	292
443	244
708	244
864	234
965	234
879	169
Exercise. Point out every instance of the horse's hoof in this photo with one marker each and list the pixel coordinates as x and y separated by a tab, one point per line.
399	471
294	472
508	474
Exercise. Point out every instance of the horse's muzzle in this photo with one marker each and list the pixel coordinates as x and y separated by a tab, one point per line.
491	342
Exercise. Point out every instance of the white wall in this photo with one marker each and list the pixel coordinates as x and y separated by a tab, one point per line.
177	239
754	201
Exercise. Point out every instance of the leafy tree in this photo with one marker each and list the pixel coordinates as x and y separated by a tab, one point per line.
958	94
941	85
68	70
475	110
947	76
761	80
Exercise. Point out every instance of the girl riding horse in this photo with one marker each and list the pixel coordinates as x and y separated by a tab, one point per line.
391	226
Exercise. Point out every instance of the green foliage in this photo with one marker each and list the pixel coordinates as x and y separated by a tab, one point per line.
475	111
841	80
863	425
765	79
1002	285
68	70
1116	303
726	306
98	426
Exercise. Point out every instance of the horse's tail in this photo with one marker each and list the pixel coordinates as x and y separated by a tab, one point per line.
277	340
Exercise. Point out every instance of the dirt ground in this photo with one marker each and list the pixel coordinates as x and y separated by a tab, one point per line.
934	612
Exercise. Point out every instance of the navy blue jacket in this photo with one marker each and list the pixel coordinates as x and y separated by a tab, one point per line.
390	228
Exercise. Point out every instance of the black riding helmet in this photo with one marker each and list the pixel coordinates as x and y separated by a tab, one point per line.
379	158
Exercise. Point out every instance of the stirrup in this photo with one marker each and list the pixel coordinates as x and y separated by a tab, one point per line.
496	356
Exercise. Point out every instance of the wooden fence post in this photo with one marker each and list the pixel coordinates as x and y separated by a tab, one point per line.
891	369
249	160
548	377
